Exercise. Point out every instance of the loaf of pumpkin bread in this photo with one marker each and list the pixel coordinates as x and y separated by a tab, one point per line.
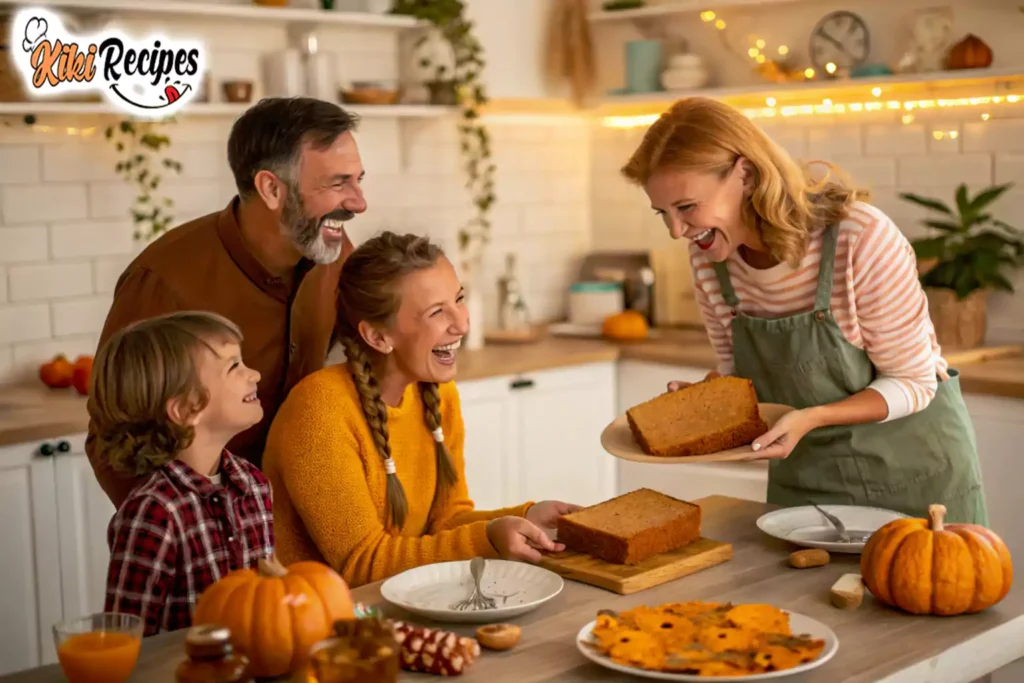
632	527
706	417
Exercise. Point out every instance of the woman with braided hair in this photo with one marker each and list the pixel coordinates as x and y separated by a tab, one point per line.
365	458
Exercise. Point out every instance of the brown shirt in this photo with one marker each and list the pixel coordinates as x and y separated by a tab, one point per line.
205	265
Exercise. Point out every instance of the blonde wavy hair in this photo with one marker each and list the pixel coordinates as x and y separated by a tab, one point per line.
136	372
371	278
787	203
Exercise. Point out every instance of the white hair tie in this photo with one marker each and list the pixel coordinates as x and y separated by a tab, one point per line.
389	465
438	435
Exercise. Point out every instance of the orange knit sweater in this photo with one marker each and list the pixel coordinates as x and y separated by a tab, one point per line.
329	483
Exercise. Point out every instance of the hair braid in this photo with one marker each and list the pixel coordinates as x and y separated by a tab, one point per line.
446	474
376	414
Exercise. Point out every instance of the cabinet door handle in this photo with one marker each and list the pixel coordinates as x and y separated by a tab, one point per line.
46	449
522	383
63	447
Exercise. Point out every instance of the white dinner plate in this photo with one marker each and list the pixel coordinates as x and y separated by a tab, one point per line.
430	590
807	527
799	624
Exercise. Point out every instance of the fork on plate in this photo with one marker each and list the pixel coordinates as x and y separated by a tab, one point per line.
477	600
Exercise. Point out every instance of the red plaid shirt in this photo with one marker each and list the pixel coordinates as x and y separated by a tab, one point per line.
179	532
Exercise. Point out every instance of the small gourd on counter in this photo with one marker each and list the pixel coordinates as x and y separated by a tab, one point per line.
924	566
625	326
969	53
276	614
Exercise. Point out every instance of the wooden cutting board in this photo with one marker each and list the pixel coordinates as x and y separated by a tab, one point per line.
654	571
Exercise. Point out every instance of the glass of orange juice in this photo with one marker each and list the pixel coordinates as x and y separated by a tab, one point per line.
99	648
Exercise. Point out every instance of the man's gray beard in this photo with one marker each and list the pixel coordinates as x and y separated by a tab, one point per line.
305	233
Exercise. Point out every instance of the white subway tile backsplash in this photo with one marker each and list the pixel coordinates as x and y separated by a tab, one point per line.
80	160
24	323
111	199
198	160
995	135
895	139
830	142
27	357
23	243
871	172
1010	168
80	316
941	170
49	281
20	164
48	202
74	240
944	137
106	271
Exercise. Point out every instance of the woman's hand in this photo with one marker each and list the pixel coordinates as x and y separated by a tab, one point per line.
516	538
779	441
545	514
676	386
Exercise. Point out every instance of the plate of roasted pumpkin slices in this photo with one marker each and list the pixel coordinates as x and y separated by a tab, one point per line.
694	641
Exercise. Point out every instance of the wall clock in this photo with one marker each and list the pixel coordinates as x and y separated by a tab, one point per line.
841	38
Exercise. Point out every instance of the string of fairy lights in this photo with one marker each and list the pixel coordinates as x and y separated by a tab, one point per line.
777	69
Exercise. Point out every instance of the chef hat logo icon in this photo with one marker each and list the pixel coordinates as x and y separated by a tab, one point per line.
35	33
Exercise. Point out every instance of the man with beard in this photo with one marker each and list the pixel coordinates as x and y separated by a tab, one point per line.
269	261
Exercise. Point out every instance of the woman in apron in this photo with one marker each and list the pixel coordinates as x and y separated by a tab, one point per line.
813	295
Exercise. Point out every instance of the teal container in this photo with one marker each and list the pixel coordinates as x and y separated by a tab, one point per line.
643	66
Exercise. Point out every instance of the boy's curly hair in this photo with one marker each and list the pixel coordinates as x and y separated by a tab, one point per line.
137	372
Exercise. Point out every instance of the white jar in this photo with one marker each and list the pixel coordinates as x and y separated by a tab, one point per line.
590	303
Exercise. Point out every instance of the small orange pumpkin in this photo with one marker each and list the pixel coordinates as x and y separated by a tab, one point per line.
924	566
969	53
276	614
625	326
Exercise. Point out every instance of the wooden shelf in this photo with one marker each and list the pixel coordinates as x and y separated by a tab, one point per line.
679	7
212	109
233	12
929	85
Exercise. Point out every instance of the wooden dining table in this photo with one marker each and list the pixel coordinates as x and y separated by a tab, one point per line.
877	644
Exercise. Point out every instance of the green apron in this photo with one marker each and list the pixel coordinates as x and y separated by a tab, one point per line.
905	464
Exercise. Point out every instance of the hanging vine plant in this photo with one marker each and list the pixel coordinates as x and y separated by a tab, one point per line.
460	85
142	164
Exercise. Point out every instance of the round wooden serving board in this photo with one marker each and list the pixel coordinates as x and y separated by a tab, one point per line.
618	440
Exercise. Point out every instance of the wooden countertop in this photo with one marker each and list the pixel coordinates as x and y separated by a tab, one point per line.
35	413
875	643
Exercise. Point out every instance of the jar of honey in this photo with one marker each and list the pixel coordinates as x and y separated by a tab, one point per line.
364	651
211	658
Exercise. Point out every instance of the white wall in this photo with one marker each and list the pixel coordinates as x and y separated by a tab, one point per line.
877	149
65	234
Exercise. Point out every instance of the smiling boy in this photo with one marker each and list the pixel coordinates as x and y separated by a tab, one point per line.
168	394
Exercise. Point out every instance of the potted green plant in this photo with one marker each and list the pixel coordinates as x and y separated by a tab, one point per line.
460	84
138	143
968	255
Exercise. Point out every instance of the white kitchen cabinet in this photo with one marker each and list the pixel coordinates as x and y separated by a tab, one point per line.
54	555
640	381
491	449
999	426
537	436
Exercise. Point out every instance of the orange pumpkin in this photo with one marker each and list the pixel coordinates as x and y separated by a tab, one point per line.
625	326
81	373
924	566
969	53
58	373
276	614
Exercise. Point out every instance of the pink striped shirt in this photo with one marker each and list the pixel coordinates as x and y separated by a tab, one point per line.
877	301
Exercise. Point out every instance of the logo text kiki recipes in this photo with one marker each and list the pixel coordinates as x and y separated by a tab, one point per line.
154	77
